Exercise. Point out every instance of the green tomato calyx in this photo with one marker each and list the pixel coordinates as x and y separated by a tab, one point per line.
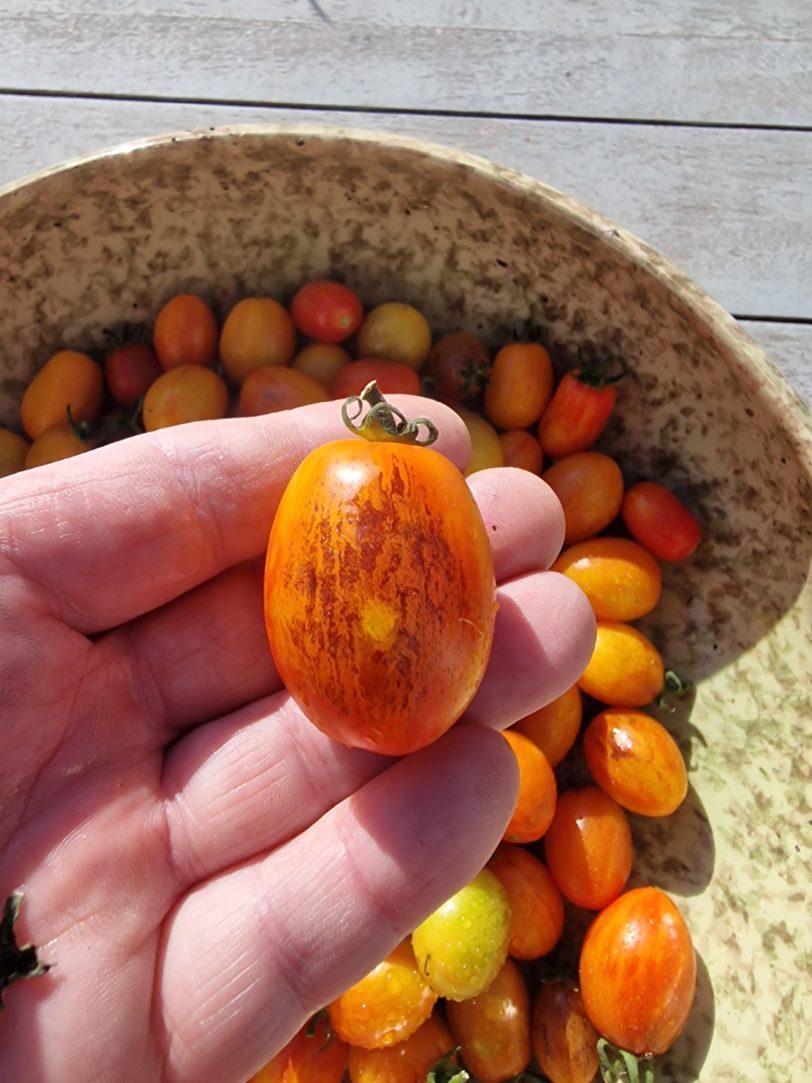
384	422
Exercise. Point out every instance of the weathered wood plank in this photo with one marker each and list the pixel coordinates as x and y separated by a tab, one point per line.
731	208
734	61
789	347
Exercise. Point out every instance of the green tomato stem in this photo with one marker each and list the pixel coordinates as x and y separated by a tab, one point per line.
383	421
621	1066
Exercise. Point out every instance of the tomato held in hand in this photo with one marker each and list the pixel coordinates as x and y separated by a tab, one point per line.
130	371
564	1040
461	947
380	596
387	1005
554	728
634	759
625	670
536	904
520	385
638	972
407	1062
68	379
660	521
326	311
535	803
314	1055
185	332
621	579
493	1028
590	488
588	847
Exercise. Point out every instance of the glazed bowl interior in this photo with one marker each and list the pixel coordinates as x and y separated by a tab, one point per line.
259	210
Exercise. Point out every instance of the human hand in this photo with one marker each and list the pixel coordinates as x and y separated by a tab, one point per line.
203	867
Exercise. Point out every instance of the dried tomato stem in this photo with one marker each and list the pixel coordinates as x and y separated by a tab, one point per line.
383	421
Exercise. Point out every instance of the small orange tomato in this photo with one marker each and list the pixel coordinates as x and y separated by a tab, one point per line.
625	670
314	1055
660	521
493	1028
621	579
589	485
406	1062
636	761
257	332
185	393
185	332
59	442
322	361
588	847
68	379
276	387
555	727
392	378
486	451
564	1040
520	385
536	904
13	450
576	415
395	332
380	596
520	448
638	972
387	1005
535	804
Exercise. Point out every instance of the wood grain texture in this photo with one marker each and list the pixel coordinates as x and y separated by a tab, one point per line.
734	61
729	207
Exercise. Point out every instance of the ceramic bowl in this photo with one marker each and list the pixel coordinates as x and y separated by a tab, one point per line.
475	246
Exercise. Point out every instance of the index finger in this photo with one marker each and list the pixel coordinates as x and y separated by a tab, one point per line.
117	532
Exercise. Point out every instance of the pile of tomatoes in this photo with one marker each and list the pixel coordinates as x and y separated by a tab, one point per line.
468	994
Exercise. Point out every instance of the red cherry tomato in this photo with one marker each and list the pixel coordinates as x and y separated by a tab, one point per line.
130	371
660	521
327	311
638	971
588	847
185	332
459	366
576	415
589	485
392	378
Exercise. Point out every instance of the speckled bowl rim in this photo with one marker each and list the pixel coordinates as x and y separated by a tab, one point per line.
752	363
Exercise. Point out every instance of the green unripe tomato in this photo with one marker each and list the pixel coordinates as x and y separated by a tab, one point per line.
461	947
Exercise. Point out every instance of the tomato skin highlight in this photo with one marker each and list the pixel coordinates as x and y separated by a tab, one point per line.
564	1040
638	971
493	1029
660	521
316	1057
621	579
625	670
575	417
634	759
380	597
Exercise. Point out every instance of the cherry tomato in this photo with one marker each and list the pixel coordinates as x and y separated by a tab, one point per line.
327	311
185	393
185	332
463	944
521	449
387	1005
392	378
68	379
257	332
520	385
322	361
276	387
314	1055
636	761
493	1028
590	488
638	971
459	365
380	596
486	451
588	847
395	332
621	579
129	372
575	416
59	442
536	904
555	727
535	803
564	1040
660	521
406	1062
625	670
13	450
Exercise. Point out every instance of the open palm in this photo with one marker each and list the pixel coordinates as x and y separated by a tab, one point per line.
200	865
